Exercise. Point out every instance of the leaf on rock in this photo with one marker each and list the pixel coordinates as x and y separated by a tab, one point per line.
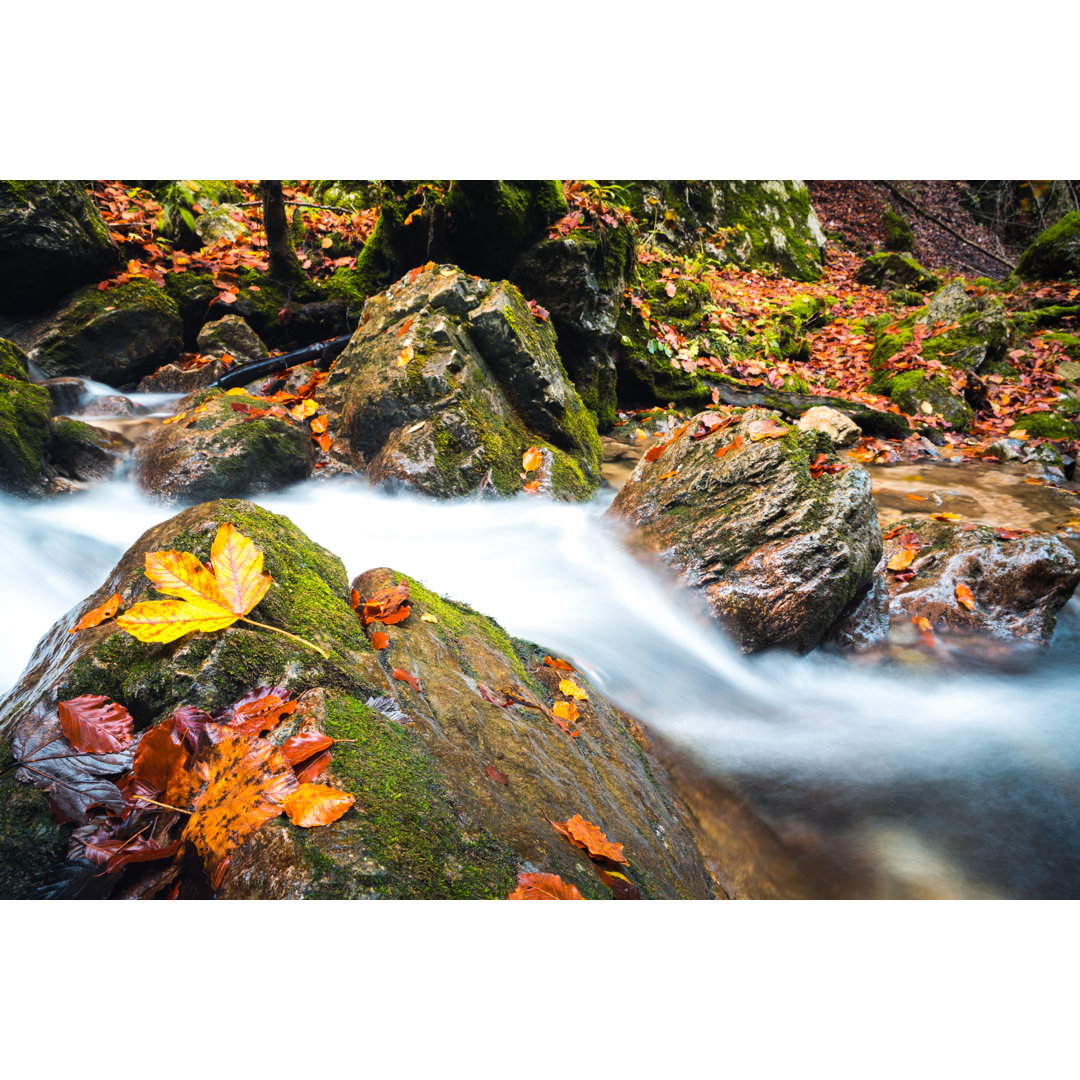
380	640
96	725
498	777
386	605
142	849
532	459
559	665
238	568
965	596
946	517
733	445
769	428
248	781
489	695
622	888
902	559
304	745
404	676
584	834
314	768
98	615
316	804
163	768
163	621
544	887
572	690
655	451
197	727
565	710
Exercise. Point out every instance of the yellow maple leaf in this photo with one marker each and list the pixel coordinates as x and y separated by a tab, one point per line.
572	690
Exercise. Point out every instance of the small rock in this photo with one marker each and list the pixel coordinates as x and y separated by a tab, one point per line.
842	430
111	405
66	392
233	336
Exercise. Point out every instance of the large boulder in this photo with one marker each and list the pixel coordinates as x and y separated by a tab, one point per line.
217	451
52	239
776	546
116	336
1054	254
448	381
752	223
454	785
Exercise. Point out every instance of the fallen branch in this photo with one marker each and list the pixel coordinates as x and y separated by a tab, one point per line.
302	205
941	224
320	354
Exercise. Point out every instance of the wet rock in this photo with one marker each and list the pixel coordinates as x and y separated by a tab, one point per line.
918	395
66	394
221	452
24	436
840	429
1018	586
448	380
891	270
776	553
111	405
82	452
52	239
115	337
428	821
233	336
864	625
175	379
1054	254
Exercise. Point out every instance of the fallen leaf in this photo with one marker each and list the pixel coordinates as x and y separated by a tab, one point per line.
490	696
565	710
404	676
667	475
498	777
388	606
142	849
902	559
318	424
622	888
313	769
965	596
946	517
162	768
324	442
96	725
733	445
654	451
304	745
99	614
559	665
380	640
572	690
532	488
428	617
544	887
916	498
532	459
769	428
253	715
923	623
584	834
316	804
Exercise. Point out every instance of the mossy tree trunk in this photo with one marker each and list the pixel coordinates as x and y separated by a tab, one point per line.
284	265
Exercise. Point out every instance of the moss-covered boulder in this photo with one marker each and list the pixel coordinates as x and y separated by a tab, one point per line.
776	552
756	224
1046	425
448	380
220	224
1018	586
899	235
1054	254
580	279
52	239
231	335
892	269
116	336
83	452
920	394
184	201
25	432
219	451
350	194
430	821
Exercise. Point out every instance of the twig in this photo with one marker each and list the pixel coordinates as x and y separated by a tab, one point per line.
948	228
165	805
304	205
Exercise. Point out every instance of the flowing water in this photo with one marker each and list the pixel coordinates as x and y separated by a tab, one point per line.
888	781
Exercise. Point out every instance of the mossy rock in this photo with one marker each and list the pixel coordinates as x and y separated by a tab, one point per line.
890	270
906	298
911	390
1070	343
1046	425
116	336
1054	255
221	452
428	823
899	235
13	361
182	201
448	381
25	433
193	294
350	194
82	452
980	339
52	239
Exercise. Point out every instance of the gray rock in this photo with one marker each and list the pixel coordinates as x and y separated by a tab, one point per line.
233	336
842	431
217	224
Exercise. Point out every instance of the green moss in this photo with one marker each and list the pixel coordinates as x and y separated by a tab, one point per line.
24	434
910	389
1069	342
889	269
405	819
13	361
899	235
1054	254
1046	425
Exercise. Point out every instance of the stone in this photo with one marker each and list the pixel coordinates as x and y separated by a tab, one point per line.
428	822
111	405
1054	254
174	379
448	381
1018	586
913	391
891	270
52	239
841	430
66	393
223	452
232	335
776	554
115	337
217	225
83	452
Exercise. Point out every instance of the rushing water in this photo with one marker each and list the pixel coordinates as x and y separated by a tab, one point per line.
968	779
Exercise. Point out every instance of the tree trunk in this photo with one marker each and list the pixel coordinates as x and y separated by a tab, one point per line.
284	265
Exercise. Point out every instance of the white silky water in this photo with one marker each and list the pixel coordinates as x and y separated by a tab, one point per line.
970	776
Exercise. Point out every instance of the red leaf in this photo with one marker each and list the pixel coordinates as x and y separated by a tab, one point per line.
655	451
380	640
490	696
314	768
498	777
304	745
559	665
544	887
95	725
404	676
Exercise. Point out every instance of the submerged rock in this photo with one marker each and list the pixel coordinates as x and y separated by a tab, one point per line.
430	821
776	552
220	452
52	239
448	381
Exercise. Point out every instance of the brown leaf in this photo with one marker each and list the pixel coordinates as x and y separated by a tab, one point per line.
381	606
622	888
498	777
491	696
314	768
769	428
95	725
584	834
142	849
544	887
317	804
162	768
99	614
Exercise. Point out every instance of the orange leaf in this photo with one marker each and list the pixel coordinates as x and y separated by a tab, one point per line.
314	768
655	451
544	887
565	710
733	445
380	640
404	676
965	596
498	777
902	559
532	459
304	745
99	614
162	767
261	714
400	615
667	475
622	888
533	487
382	605
324	442
584	834
95	725
572	690
559	665
318	424
916	498
317	804
248	781
238	568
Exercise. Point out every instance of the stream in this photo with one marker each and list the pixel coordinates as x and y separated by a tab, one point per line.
863	781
